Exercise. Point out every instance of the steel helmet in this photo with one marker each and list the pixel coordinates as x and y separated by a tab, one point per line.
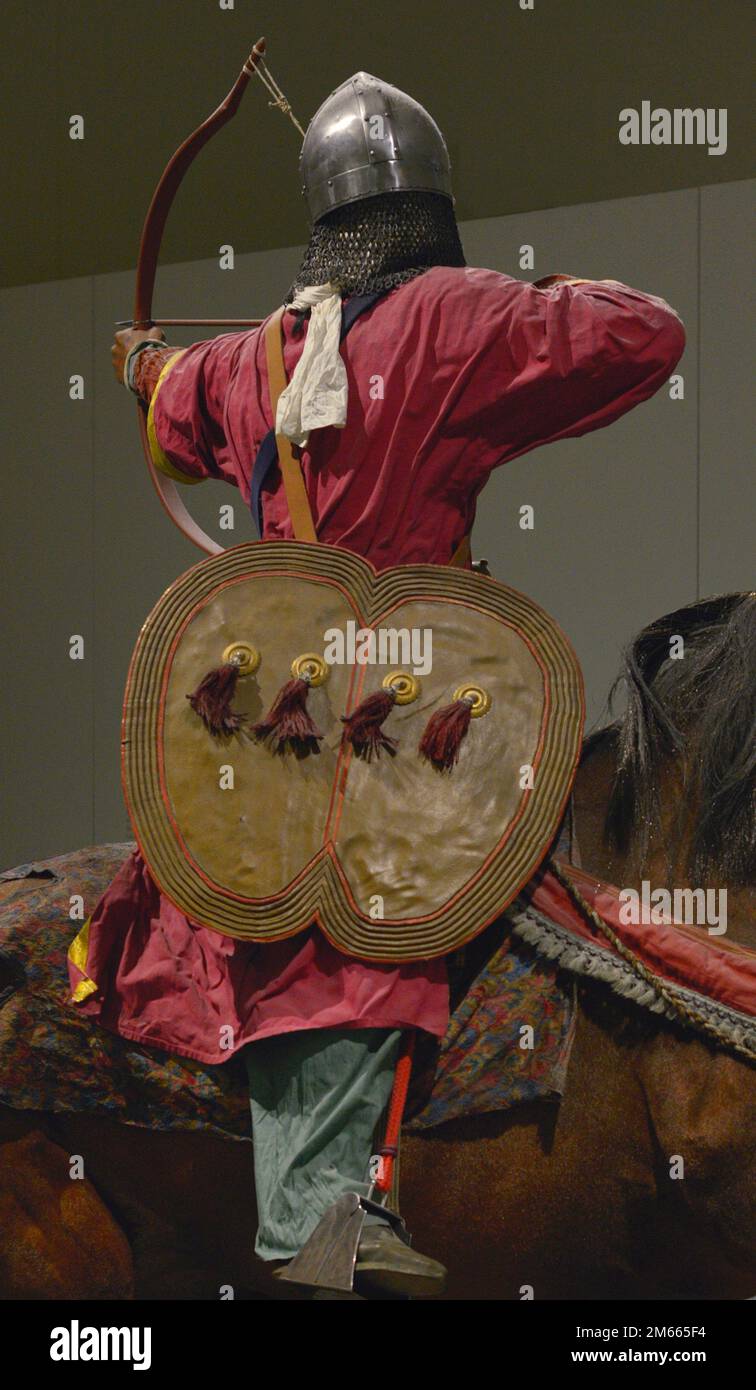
368	138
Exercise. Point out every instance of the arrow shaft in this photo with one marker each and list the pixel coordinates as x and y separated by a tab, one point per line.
191	323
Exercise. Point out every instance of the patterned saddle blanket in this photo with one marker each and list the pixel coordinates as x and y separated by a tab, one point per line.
508	1040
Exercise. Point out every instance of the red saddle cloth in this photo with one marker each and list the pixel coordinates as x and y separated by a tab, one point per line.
51	1058
684	956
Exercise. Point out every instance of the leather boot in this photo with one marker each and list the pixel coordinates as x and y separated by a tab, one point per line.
386	1265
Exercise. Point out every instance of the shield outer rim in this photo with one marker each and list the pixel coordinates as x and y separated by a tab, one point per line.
324	901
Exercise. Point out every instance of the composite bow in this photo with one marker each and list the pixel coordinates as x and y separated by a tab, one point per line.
149	251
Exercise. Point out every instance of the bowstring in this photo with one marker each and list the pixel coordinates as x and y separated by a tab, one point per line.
279	99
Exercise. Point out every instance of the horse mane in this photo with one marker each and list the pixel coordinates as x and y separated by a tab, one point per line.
696	710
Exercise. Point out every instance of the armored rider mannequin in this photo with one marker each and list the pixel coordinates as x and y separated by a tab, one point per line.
447	373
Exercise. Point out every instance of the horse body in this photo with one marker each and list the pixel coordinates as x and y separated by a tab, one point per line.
589	1199
578	1201
638	1184
549	1201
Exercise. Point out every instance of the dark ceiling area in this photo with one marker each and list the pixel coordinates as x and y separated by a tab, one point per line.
528	100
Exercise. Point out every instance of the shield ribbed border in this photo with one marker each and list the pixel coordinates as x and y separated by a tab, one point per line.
320	893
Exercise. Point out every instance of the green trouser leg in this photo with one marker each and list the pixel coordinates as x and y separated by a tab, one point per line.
316	1098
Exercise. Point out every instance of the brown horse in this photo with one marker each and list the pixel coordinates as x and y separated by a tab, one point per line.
583	1199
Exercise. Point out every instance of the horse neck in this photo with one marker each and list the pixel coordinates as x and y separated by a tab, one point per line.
664	866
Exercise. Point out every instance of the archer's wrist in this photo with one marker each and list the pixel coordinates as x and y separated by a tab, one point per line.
143	365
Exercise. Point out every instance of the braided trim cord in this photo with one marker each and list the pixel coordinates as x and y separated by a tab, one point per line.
737	1036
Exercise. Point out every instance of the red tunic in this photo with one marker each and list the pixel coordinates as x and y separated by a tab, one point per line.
449	376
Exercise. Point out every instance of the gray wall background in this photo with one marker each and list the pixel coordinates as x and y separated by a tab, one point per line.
631	522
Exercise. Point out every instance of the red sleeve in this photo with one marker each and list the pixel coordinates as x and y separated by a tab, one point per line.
187	416
560	358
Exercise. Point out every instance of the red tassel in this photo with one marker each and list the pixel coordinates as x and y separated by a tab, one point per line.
287	723
362	728
444	733
212	700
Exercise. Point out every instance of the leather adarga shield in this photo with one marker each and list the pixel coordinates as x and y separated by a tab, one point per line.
392	857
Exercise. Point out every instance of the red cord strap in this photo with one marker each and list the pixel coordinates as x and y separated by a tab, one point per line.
390	1147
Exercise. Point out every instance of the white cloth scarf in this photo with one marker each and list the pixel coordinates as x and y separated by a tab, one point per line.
317	393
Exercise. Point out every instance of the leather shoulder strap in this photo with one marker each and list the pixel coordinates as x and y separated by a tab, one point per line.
462	555
297	500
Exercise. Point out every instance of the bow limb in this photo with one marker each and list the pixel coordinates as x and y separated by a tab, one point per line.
149	250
